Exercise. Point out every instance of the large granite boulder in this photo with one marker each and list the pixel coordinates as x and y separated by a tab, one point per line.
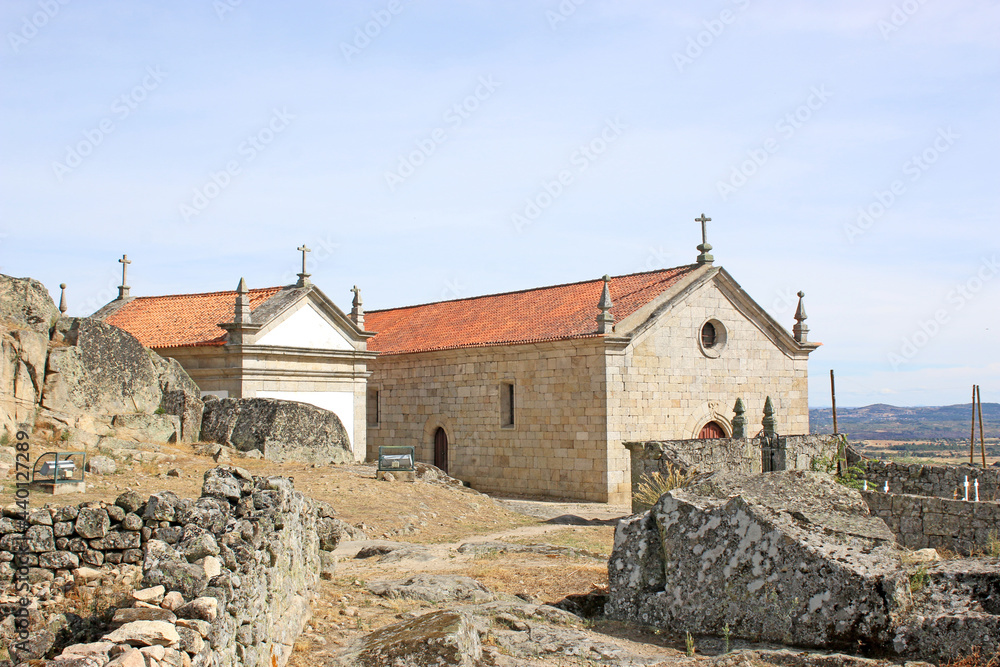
26	304
101	370
281	430
790	557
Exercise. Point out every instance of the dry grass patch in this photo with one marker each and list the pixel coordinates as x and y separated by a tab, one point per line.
542	579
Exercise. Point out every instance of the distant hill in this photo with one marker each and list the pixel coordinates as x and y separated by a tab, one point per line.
888	422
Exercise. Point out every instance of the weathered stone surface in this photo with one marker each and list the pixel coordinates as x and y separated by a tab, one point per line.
130	501
203	608
93	522
118	540
103	371
145	633
282	430
130	614
59	560
101	465
26	304
153	594
172	601
198	546
161	428
433	588
790	557
438	638
130	658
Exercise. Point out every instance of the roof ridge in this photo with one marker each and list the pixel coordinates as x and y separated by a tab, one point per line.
529	289
178	296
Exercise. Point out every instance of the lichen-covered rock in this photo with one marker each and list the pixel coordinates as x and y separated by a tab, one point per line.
162	428
433	588
145	633
789	557
281	430
26	304
93	522
438	638
103	371
101	465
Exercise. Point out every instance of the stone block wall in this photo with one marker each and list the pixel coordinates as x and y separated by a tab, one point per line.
919	522
228	578
558	443
930	480
738	455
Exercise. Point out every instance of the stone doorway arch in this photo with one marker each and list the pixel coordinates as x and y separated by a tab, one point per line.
441	449
711	430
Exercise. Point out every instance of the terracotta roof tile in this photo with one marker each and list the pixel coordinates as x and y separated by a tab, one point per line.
534	315
182	320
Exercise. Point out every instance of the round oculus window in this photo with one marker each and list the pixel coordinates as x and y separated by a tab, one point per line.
712	338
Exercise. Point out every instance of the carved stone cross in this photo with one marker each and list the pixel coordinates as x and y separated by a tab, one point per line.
705	247
124	261
123	290
303	277
704	229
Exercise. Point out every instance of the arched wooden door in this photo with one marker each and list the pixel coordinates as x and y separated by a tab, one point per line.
441	449
711	430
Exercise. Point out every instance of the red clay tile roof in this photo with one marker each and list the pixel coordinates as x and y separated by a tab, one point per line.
534	315
182	320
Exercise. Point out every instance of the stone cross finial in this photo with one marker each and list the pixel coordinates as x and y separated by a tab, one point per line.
62	298
800	330
303	277
357	312
605	321
242	314
705	247
124	289
768	421
739	421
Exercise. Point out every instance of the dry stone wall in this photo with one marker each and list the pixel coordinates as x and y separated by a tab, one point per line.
919	522
227	578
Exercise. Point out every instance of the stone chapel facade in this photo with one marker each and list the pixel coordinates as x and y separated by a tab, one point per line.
288	342
534	392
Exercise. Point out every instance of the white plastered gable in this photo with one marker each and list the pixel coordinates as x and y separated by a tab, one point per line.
306	327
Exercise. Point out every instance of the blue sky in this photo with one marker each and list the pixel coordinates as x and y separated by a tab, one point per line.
847	149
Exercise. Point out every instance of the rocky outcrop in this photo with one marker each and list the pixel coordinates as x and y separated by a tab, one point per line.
793	557
281	430
104	370
26	304
789	557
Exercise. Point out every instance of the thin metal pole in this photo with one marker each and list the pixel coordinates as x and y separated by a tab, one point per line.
833	396
982	440
972	438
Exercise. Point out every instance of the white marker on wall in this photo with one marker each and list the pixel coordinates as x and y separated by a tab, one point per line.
966	485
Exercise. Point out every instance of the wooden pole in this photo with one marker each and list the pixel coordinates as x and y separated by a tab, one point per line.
972	438
982	440
833	397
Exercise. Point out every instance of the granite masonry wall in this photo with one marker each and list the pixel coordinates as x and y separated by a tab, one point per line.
227	578
919	522
739	455
930	480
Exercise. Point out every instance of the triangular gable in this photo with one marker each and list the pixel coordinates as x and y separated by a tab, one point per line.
636	327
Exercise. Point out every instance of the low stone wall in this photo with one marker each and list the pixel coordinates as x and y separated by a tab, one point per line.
929	480
919	522
228	578
738	455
